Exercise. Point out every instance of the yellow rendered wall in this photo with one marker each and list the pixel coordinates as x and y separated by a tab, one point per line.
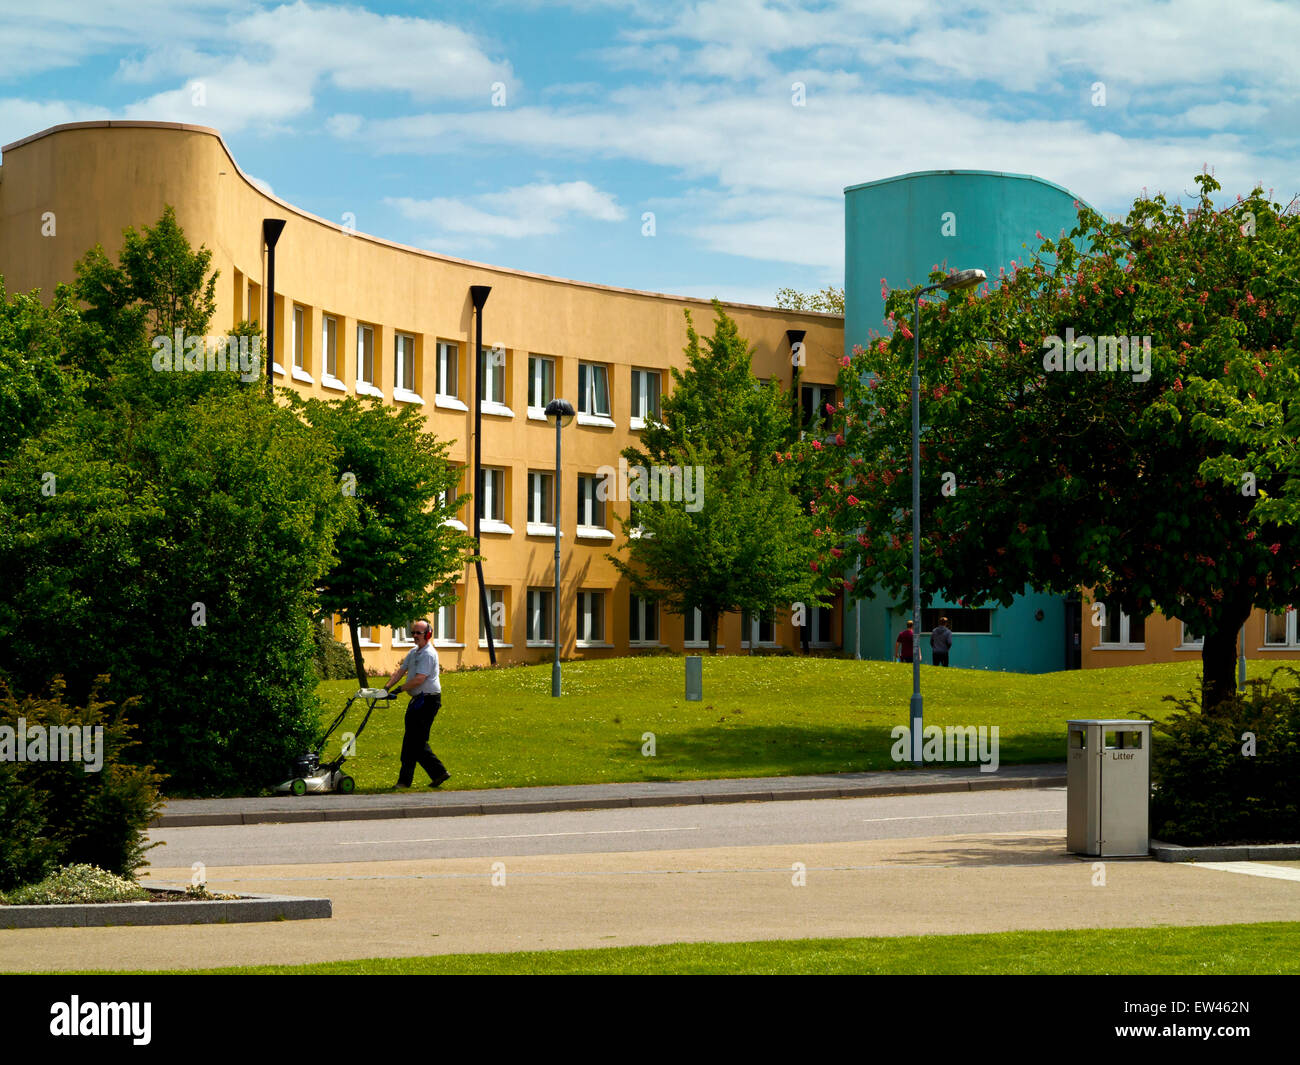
98	178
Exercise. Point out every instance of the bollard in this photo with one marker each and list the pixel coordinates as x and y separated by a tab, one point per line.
694	678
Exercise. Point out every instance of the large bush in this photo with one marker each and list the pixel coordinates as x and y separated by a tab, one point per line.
1207	785
56	812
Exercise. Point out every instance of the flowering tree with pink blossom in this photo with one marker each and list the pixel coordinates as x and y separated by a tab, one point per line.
1164	480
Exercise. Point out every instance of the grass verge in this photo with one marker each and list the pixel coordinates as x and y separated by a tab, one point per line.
1236	949
760	716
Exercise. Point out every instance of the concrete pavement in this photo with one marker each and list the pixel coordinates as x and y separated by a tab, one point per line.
953	884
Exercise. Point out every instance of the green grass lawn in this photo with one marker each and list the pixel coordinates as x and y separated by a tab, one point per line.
761	716
1240	949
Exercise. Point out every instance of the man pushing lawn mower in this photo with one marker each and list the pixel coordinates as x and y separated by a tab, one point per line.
420	666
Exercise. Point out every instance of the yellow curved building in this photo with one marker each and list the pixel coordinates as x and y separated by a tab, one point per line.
355	314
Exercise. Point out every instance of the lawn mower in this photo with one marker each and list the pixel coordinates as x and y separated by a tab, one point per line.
309	775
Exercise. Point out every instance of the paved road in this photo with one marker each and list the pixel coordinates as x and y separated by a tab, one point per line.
620	830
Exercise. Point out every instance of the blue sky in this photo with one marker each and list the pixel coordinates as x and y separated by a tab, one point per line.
537	135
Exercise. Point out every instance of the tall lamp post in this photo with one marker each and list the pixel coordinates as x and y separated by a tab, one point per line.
562	411
271	230
957	281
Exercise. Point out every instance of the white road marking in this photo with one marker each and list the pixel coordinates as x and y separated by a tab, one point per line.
518	835
1274	872
934	817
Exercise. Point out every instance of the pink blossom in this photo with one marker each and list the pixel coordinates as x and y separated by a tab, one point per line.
844	360
837	552
853	501
839	439
1275	548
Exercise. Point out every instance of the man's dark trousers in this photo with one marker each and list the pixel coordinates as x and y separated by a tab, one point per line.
420	712
940	658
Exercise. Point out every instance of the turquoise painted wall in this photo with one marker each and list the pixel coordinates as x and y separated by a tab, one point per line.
899	229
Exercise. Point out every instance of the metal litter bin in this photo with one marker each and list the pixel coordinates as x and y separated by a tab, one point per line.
1108	788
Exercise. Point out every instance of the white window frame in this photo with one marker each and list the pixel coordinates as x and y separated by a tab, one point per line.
747	619
1188	642
444	619
643	411
1124	643
541	497
591	611
454	493
404	360
541	617
822	394
536	385
1292	637
819	616
448	366
494	596
492	501
696	621
641	611
402	636
329	347
366	376
588	414
590	508
366	636
298	343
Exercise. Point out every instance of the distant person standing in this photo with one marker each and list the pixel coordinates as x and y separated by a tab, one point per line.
904	645
421	669
941	642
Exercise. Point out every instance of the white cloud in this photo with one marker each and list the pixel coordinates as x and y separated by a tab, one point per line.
21	118
525	211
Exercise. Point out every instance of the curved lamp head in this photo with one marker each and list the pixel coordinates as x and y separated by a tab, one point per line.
962	280
560	409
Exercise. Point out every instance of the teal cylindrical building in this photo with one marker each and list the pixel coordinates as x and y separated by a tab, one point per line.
899	229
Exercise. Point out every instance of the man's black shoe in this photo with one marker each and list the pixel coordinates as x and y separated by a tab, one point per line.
435	782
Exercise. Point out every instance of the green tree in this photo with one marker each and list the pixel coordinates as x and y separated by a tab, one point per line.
829	300
397	557
1130	480
740	540
169	531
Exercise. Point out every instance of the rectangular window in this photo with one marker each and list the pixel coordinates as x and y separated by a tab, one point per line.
541	383
497	613
491	494
494	375
541	615
448	379
1118	629
404	362
254	302
402	634
329	344
364	635
960	619
541	498
694	627
593	389
591	617
591	508
366	354
443	623
645	396
1279	629
763	626
813	400
643	621
1188	639
298	337
821	625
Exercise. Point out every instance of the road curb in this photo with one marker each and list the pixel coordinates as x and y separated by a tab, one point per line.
287	815
1246	852
247	908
